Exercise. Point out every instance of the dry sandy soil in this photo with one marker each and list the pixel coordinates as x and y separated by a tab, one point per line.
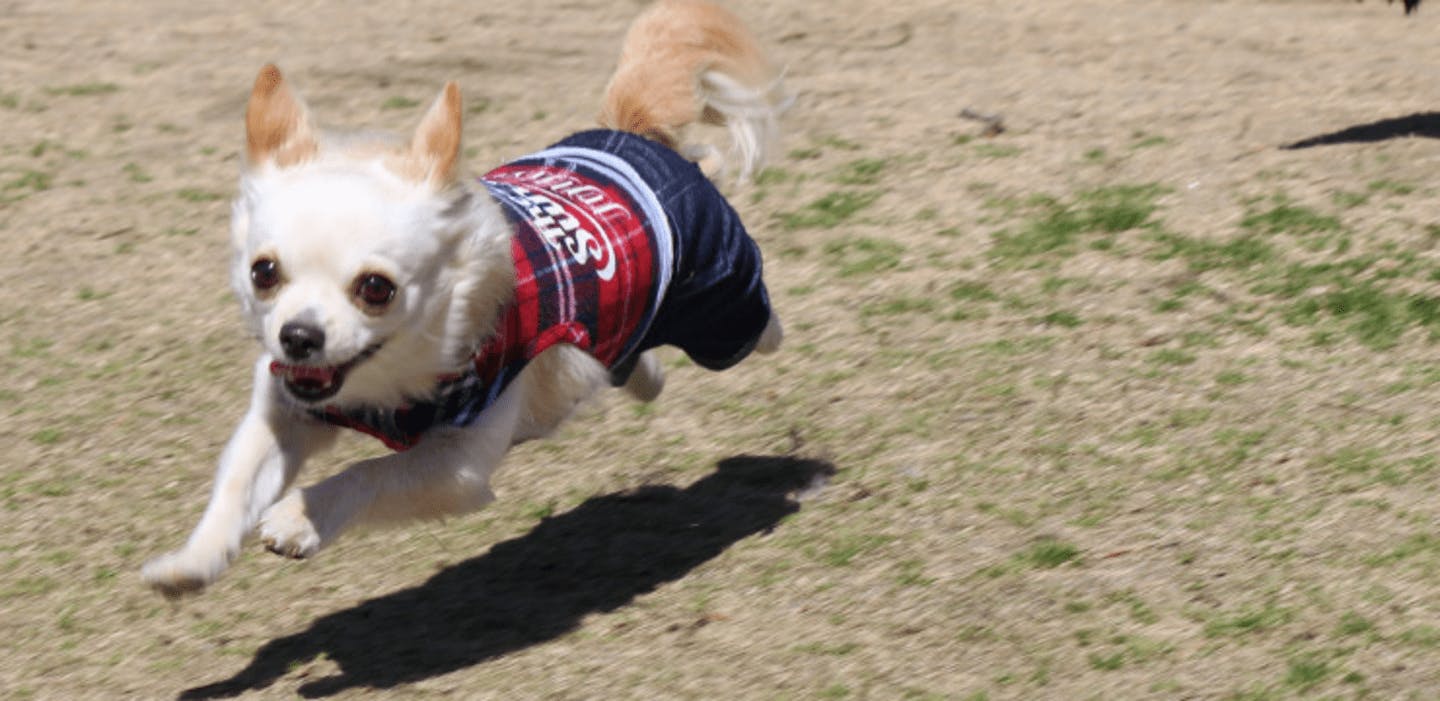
1127	401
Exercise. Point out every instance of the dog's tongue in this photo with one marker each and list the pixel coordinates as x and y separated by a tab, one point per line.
307	374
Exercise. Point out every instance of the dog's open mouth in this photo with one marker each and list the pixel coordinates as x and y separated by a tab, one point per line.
314	383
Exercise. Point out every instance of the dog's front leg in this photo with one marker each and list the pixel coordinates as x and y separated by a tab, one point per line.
262	458
448	473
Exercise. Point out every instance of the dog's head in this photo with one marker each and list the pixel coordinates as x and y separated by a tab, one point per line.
363	264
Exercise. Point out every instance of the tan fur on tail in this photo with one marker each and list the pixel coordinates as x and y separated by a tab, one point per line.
687	61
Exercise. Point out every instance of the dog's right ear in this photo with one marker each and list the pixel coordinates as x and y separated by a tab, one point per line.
277	125
434	155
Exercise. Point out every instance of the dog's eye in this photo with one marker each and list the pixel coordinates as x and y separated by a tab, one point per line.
374	289
265	274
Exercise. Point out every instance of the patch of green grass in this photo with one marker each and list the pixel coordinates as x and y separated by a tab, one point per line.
1345	199
1011	347
52	488
972	291
1144	140
829	211
1424	635
1140	612
865	171
540	511
136	173
853	256
1063	318
1420	544
1285	217
1200	255
1307	671
912	574
773	176
1048	553
1014	516
47	436
33	180
1106	663
29	586
84	89
898	306
1354	461
190	194
1054	229
1391	187
1372	315
830	649
1352	623
1055	226
31	348
838	143
1252	620
843	550
1119	208
1172	356
399	102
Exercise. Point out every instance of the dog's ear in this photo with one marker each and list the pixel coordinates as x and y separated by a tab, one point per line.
435	149
277	125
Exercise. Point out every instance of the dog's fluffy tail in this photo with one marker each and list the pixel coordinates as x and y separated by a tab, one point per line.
687	61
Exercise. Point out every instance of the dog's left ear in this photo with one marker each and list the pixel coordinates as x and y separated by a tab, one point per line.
435	149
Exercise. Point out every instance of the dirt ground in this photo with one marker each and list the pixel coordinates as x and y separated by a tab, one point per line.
1126	401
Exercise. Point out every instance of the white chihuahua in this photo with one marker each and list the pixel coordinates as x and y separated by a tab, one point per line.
453	319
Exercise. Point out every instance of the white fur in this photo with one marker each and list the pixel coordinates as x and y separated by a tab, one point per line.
344	210
751	115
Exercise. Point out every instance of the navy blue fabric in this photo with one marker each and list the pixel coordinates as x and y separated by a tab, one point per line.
716	305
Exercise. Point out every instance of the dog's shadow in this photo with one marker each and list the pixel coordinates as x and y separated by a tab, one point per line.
594	558
1420	124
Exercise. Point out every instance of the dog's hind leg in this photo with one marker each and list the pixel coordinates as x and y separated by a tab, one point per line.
771	337
646	379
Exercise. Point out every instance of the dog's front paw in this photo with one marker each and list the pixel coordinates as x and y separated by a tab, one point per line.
182	572
286	530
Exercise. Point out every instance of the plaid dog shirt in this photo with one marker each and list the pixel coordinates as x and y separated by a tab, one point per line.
621	245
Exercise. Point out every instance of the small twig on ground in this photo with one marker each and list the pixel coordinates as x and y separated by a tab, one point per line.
994	123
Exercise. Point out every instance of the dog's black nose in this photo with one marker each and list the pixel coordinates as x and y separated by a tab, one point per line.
300	339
